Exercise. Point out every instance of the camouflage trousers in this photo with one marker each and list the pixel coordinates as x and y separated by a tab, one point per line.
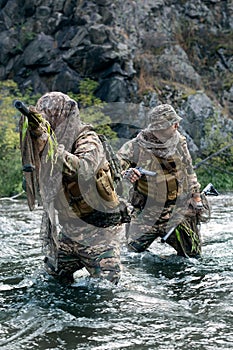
147	225
93	243
100	261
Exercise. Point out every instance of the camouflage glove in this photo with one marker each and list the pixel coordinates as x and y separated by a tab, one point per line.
66	161
35	118
61	155
60	151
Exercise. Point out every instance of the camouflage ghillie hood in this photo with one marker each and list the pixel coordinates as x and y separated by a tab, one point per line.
57	108
63	115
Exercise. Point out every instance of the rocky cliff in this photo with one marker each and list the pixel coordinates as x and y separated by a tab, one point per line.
142	52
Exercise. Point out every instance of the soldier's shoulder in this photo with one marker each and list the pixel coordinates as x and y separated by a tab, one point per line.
88	139
87	131
182	138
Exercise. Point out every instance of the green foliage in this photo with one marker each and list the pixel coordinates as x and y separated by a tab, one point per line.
11	174
10	163
218	168
86	97
221	180
91	108
10	159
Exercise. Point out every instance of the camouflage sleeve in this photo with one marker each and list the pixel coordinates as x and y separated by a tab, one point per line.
87	157
126	155
194	185
41	135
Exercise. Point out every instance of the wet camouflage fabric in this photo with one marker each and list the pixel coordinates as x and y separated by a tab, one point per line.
80	160
148	225
154	213
100	260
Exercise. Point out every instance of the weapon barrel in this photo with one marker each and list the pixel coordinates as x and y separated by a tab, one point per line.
22	108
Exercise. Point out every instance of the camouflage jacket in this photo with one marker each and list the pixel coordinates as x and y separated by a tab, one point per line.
175	175
86	177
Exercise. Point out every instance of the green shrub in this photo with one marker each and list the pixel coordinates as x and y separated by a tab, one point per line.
10	157
221	180
91	108
10	160
216	165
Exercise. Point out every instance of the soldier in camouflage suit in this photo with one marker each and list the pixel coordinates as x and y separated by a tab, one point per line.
170	200
81	225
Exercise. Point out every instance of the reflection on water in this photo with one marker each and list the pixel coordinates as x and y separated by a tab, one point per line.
162	302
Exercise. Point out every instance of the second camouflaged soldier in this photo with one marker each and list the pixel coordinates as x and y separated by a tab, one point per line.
170	201
81	221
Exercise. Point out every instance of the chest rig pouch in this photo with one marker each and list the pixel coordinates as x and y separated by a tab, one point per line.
75	199
102	197
165	186
170	172
105	187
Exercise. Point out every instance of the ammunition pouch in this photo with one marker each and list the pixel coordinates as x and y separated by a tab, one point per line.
76	200
105	188
172	187
161	189
107	199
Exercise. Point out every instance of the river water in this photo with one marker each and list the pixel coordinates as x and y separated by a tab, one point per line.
163	302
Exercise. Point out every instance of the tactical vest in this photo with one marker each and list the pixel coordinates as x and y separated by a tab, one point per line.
100	195
169	181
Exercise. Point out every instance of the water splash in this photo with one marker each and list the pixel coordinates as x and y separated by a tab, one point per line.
162	301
